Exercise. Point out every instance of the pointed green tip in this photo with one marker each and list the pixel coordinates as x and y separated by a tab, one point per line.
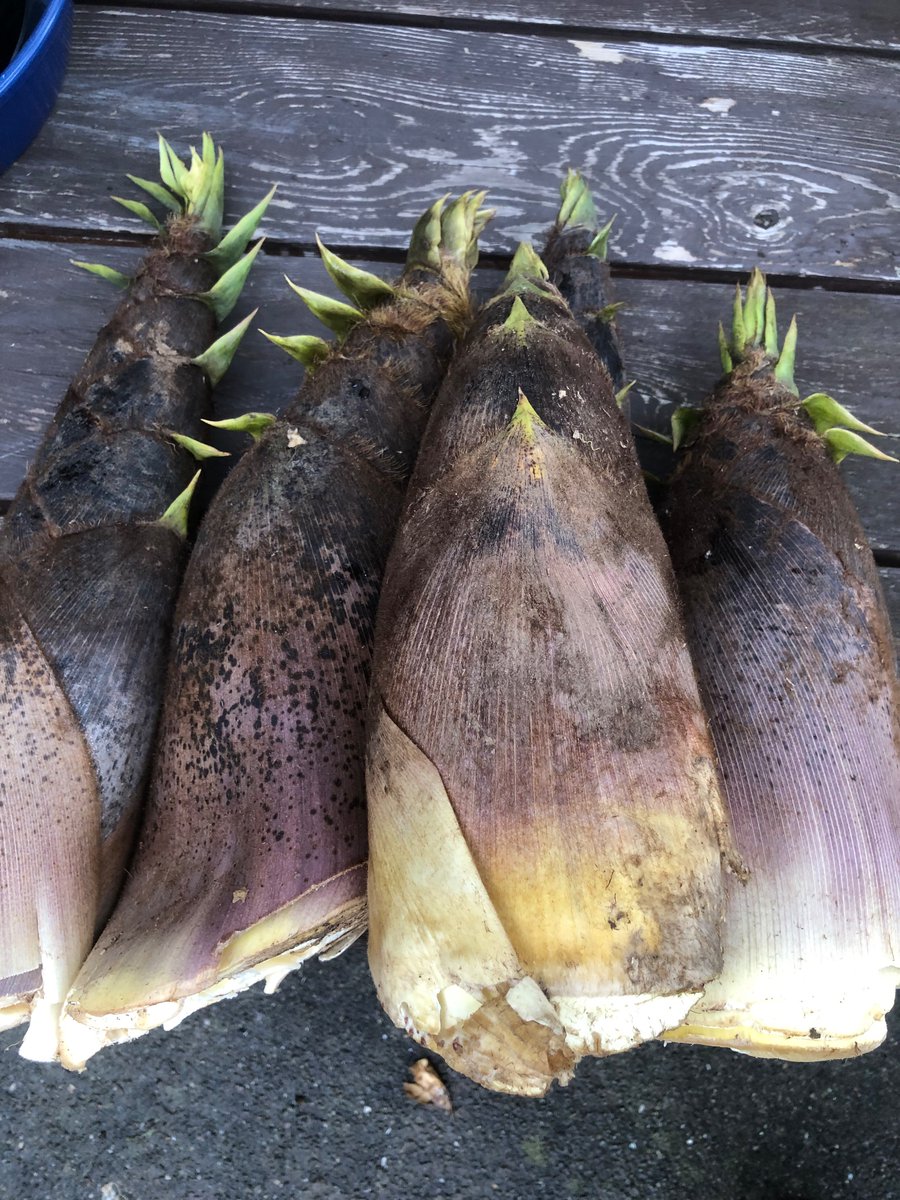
176	515
159	193
525	420
461	223
235	242
216	360
725	351
527	271
304	347
599	246
754	309
622	393
784	368
362	287
683	421
103	272
254	423
738	333
770	335
841	442
199	450
424	244
607	314
652	435
201	187
826	413
334	314
577	208
224	294
519	319
139	210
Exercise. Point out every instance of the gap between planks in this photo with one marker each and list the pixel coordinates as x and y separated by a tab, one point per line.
391	256
413	18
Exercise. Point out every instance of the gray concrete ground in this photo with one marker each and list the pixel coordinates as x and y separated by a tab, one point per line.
300	1095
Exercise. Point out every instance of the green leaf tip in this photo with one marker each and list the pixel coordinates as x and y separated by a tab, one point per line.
738	334
334	314
652	435
770	336
362	287
748	322
216	359
784	368
176	515
683	421
199	450
725	351
525	419
424	243
200	187
622	393
841	442
577	210
162	195
754	309
607	314
825	413
527	272
519	319
577	206
141	211
462	222
304	347
172	170
254	423
104	272
600	242
235	242
224	294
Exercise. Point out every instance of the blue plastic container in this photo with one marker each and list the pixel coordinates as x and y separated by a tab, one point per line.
30	84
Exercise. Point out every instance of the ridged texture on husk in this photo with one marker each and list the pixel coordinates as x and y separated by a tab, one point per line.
791	640
89	576
253	853
545	827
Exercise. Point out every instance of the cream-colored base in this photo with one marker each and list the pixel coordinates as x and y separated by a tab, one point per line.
822	1016
83	1034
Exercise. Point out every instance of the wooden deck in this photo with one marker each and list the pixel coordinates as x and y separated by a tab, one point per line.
723	138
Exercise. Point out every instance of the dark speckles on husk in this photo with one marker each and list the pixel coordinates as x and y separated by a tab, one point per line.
91	556
253	850
546	833
791	640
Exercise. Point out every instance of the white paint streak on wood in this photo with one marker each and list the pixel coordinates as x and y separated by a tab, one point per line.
671	252
718	104
597	52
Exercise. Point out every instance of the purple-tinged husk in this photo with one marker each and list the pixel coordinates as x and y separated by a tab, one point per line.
253	851
91	554
546	833
791	639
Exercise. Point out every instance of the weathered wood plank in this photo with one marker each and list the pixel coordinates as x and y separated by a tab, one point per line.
712	156
817	22
668	328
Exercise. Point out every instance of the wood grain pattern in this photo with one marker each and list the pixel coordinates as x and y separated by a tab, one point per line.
363	125
668	329
818	22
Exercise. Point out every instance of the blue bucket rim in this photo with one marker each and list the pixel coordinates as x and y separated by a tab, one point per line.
35	44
